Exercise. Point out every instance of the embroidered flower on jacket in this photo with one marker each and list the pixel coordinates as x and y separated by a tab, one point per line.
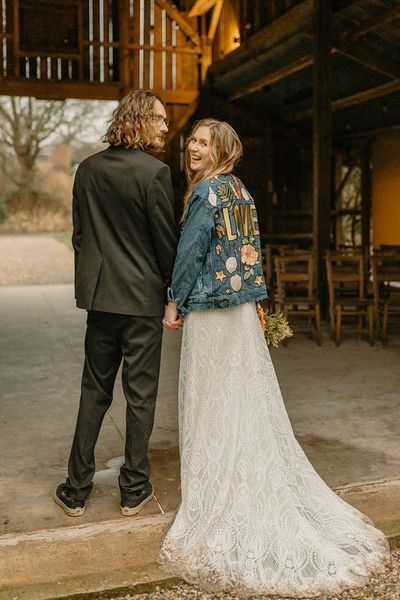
218	248
212	197
245	194
259	280
236	282
231	264
248	255
220	275
220	231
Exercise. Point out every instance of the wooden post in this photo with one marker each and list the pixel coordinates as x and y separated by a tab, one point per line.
322	140
366	191
123	55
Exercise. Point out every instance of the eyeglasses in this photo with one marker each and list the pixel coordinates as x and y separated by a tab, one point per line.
160	119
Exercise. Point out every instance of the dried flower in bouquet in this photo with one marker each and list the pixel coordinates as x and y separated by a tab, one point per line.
274	326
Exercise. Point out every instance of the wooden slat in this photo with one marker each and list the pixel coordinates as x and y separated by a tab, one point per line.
105	39
158	49
361	53
146	60
63	55
201	7
273	77
284	27
369	133
216	14
16	38
96	49
134	29
366	195
54	69
169	54
80	41
124	66
376	22
322	140
353	99
175	15
85	68
71	89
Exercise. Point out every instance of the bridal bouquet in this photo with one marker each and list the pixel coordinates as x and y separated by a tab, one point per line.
275	326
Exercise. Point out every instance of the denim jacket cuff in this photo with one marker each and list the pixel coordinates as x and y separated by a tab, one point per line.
171	295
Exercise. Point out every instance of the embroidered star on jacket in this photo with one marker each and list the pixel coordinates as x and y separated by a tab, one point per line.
259	279
220	275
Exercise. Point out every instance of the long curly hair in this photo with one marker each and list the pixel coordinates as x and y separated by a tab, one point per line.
225	151
131	125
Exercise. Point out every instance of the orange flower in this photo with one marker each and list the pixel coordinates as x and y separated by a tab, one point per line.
248	255
261	316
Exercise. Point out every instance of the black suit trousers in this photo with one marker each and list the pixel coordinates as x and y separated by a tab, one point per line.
109	339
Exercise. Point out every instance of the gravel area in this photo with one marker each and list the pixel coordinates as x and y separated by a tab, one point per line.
382	587
32	259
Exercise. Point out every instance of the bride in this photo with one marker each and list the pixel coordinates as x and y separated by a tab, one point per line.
255	517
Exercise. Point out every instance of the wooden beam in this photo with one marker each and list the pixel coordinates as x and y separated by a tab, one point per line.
353	99
59	90
182	121
294	67
296	19
368	133
177	16
124	62
215	17
322	141
201	7
376	22
361	53
366	195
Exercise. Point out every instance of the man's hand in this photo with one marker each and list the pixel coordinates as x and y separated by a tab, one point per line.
171	319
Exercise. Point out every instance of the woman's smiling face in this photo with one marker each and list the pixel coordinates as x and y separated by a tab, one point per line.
199	149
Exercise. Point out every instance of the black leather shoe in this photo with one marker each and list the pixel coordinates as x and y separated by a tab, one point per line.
72	507
132	503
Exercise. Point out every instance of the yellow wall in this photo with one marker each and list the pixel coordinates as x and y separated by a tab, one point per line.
386	190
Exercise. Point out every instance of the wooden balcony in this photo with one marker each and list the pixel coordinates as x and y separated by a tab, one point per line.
97	49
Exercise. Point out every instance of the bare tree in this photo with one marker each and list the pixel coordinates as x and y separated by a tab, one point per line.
27	125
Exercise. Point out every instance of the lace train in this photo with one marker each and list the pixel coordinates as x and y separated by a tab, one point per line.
255	517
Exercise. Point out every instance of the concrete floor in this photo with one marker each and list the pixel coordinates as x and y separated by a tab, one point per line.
344	404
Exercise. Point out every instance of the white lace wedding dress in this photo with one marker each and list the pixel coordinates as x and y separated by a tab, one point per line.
255	517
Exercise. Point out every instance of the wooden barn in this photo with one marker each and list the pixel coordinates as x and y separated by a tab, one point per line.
312	87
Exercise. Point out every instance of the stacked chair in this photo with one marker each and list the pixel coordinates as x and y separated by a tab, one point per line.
364	292
385	265
348	301
295	276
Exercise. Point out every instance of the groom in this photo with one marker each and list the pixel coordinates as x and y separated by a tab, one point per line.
124	238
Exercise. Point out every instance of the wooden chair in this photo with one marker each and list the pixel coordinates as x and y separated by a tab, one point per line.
346	273
269	253
296	292
386	286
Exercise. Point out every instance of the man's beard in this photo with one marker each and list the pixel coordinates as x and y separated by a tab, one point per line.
159	147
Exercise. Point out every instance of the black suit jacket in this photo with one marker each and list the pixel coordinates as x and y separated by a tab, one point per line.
124	234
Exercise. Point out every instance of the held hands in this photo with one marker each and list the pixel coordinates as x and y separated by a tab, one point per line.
171	319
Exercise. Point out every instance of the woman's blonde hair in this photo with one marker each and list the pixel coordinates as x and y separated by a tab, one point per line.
132	125
225	151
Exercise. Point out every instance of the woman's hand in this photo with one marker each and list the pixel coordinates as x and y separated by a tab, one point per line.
171	319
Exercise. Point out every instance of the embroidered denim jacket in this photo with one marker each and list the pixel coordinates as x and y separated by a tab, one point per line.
218	263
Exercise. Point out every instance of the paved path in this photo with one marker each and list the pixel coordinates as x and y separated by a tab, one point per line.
34	259
343	403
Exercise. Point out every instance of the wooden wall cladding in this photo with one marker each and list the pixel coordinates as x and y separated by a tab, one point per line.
100	48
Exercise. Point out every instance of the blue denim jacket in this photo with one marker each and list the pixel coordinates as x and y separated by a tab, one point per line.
218	263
